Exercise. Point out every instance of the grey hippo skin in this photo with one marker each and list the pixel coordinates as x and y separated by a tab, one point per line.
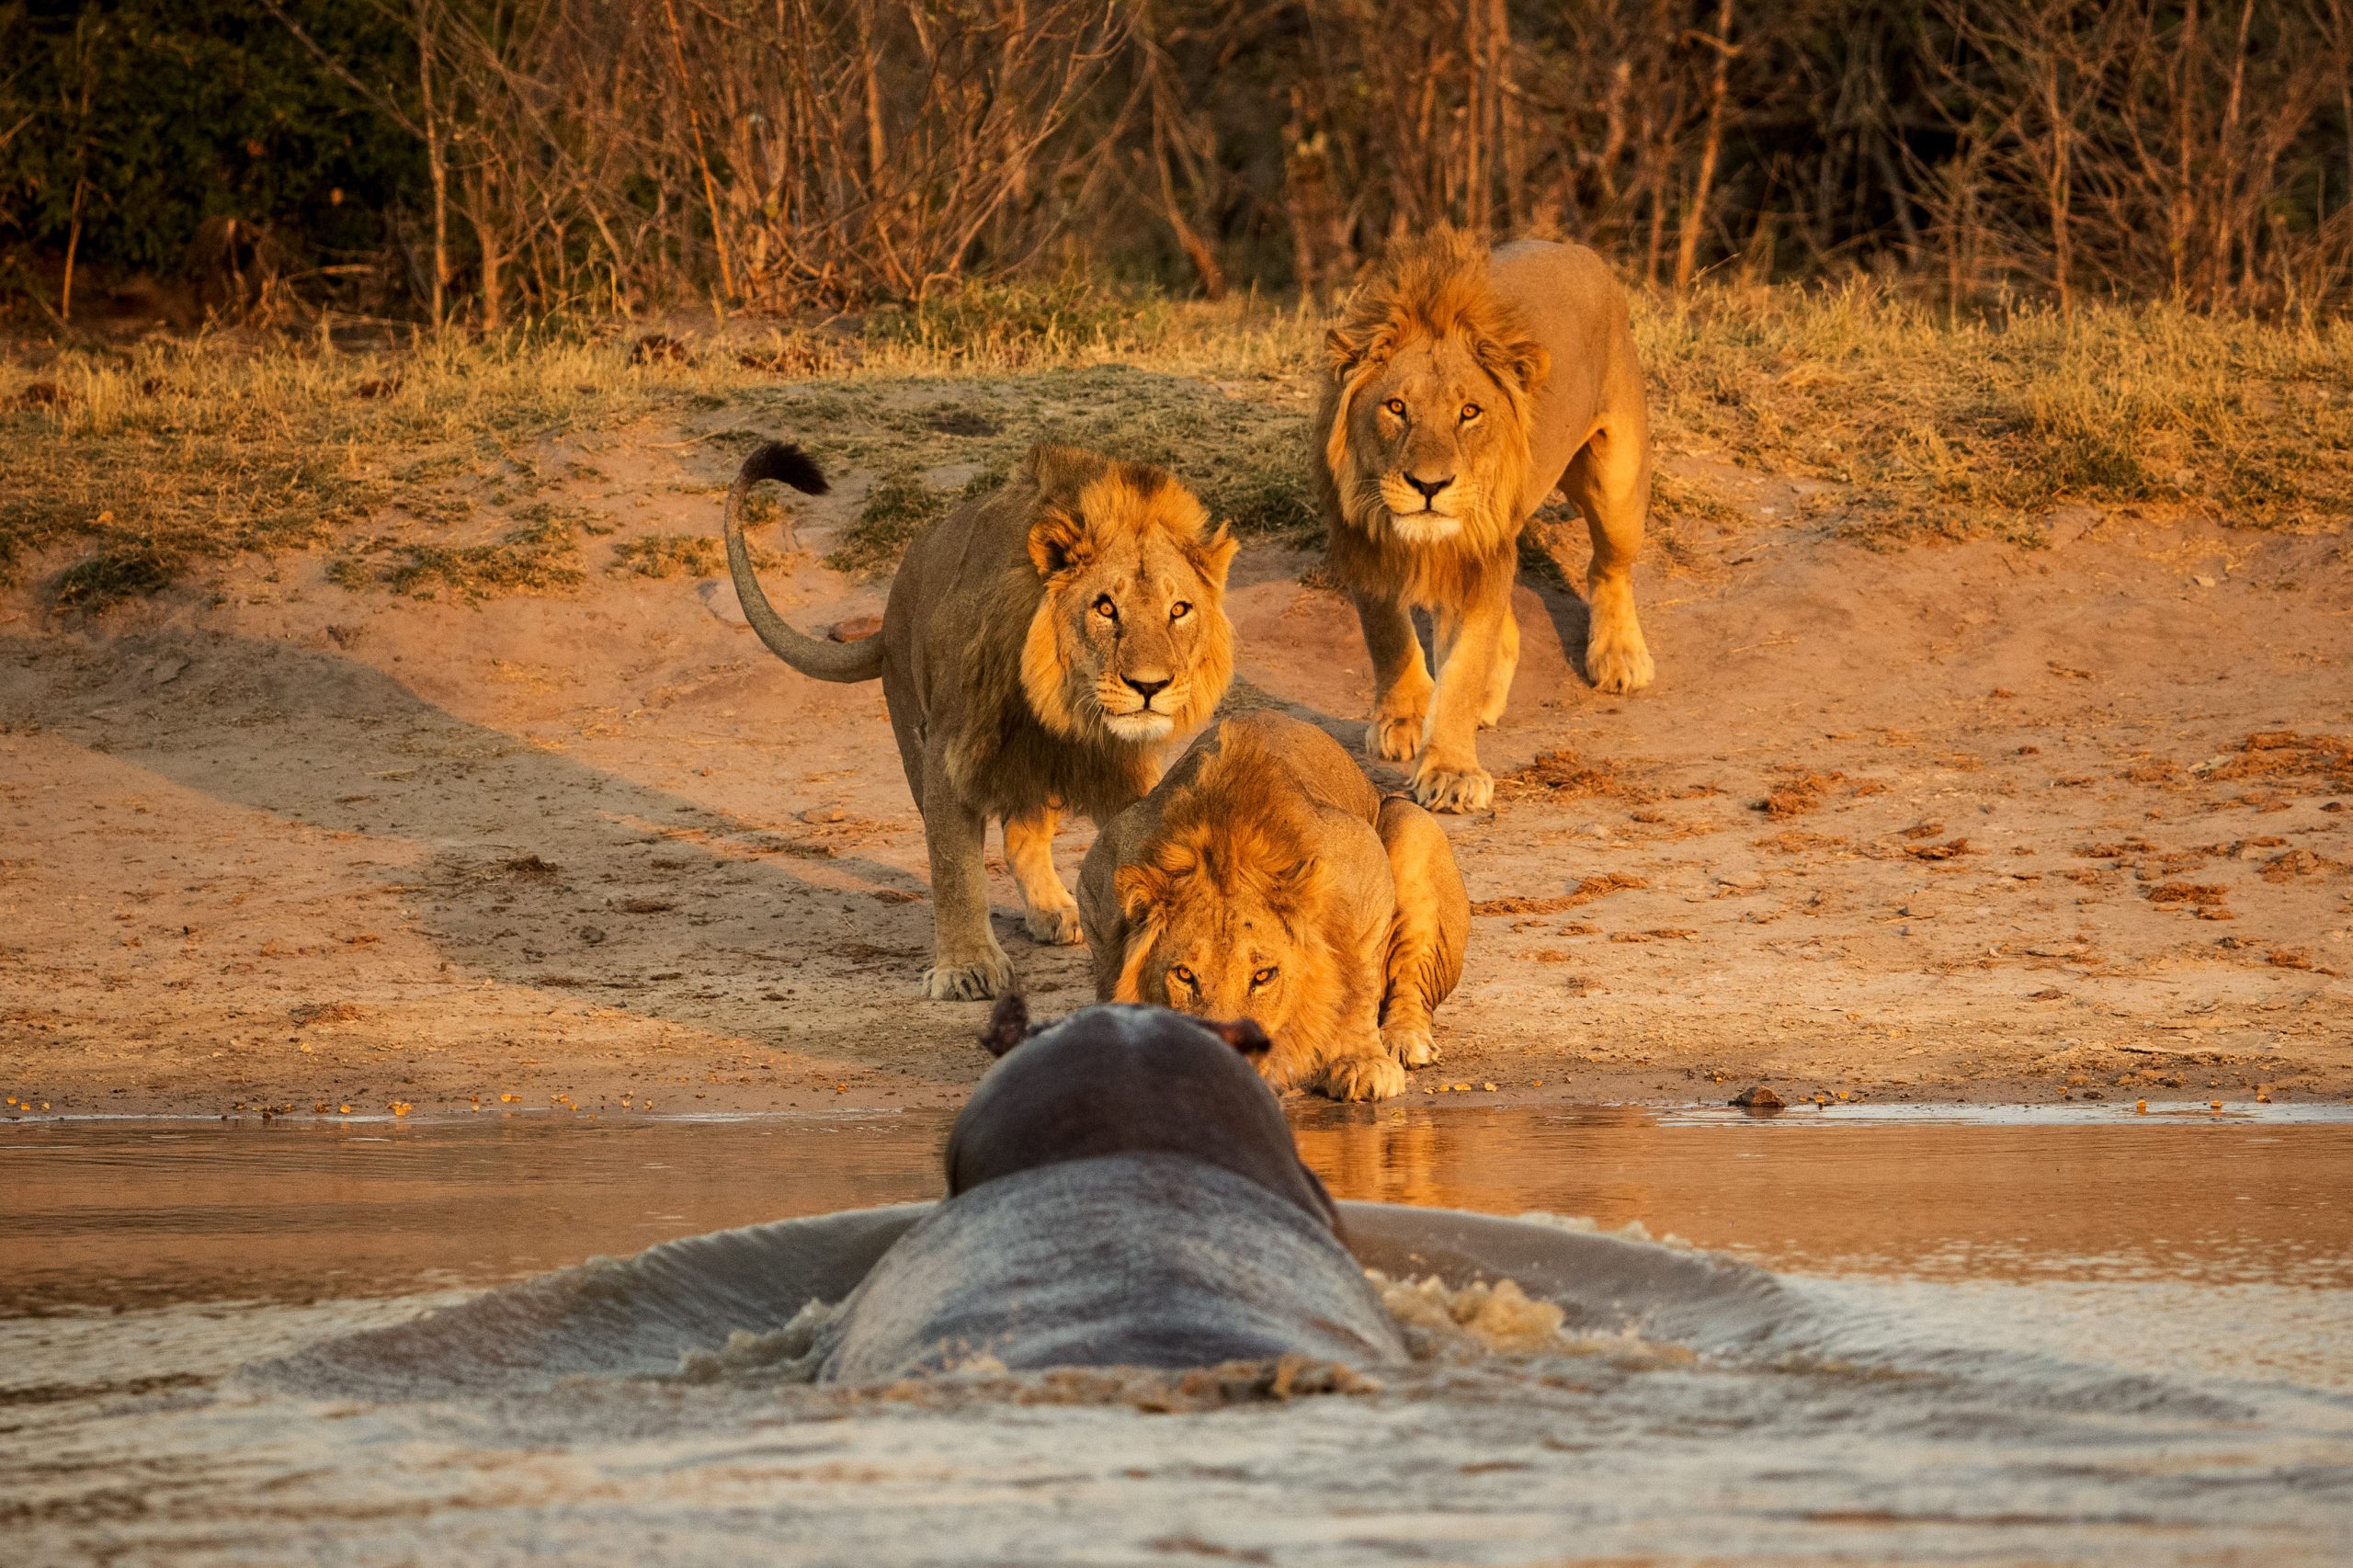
1123	1191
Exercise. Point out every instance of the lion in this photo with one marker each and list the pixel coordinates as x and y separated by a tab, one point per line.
1265	878
1041	644
1463	387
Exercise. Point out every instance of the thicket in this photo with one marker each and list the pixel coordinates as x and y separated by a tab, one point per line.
495	159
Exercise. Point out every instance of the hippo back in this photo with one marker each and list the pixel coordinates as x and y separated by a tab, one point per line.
1130	1259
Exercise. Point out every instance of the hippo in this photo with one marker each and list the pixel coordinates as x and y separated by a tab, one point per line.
1122	1190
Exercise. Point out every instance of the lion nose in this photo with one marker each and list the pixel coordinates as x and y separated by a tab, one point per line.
1429	487
1147	689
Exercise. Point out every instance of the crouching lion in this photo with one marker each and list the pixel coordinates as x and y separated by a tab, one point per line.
1266	880
1041	644
1463	388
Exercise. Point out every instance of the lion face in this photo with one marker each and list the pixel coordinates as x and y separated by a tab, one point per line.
1426	433
1232	941
1434	380
1131	639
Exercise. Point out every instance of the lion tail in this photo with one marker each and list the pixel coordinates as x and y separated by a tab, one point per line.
862	660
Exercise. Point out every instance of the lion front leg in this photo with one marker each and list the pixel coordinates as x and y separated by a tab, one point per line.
1367	1075
1449	778
1047	910
1423	958
1400	681
966	965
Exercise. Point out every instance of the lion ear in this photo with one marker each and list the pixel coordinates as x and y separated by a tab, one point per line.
1141	888
1214	555
1525	362
1059	542
1347	350
1294	886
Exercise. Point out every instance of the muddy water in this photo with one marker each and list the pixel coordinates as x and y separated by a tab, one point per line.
2076	1336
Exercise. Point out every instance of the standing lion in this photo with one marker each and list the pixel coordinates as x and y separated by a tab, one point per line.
1041	644
1464	387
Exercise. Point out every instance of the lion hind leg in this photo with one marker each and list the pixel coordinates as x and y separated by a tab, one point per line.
1049	911
1426	934
1610	482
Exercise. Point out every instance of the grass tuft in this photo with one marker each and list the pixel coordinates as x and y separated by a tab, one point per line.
672	555
899	506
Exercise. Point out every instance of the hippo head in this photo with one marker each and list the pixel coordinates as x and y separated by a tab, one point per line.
1118	1079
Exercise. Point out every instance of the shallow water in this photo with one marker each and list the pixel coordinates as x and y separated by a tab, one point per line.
2044	1335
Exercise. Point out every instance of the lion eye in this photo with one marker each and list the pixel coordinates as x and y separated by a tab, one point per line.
1179	610
1181	975
1395	405
1470	412
1263	977
1105	609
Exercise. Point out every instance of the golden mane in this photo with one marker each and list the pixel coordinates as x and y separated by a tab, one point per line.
1029	740
1431	288
1244	827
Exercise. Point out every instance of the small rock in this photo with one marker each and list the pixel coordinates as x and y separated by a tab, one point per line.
169	669
2203	582
719	599
825	815
856	629
590	935
1757	1098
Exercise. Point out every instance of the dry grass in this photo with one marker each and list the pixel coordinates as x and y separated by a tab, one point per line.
428	469
1927	427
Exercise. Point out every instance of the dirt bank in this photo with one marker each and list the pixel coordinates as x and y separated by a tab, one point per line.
1956	822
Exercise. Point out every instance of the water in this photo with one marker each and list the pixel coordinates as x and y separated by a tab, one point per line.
2074	1336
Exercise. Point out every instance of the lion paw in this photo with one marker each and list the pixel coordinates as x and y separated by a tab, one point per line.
1054	927
1363	1078
1411	1044
974	982
1619	664
1396	736
1441	788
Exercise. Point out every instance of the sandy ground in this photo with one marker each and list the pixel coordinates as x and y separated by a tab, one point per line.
1969	823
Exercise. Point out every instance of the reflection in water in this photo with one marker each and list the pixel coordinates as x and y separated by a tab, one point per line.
128	1213
2212	1201
2118	1342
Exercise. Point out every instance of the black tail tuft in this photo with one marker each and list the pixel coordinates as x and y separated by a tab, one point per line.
785	463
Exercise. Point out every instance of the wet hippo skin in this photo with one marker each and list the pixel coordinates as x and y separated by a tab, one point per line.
1123	1190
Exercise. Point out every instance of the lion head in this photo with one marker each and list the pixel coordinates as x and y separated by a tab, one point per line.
1434	378
1130	640
1228	918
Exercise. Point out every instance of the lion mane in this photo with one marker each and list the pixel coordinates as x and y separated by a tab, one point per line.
1432	287
1266	848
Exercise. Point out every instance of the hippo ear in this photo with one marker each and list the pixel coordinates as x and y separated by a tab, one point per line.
1244	1036
1008	1024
